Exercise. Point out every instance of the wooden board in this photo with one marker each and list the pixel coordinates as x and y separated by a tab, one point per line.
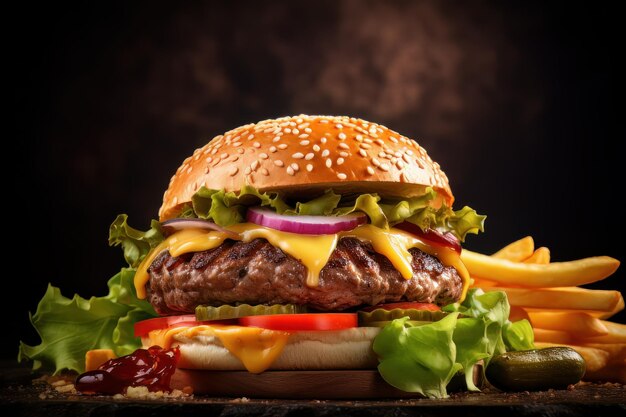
335	384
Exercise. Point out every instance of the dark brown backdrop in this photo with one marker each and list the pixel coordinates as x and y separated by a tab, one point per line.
520	102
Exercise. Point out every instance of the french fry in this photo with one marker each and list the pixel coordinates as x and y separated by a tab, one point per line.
597	314
540	256
575	323
595	359
617	351
557	274
552	336
613	373
561	298
616	333
517	251
483	283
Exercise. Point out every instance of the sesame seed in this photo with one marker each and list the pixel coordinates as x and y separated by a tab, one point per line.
308	130
399	164
273	149
384	167
208	160
381	154
254	165
299	120
247	171
287	130
282	146
398	154
279	163
359	138
340	161
304	142
295	166
365	146
265	172
276	139
214	151
363	153
329	163
250	137
189	170
309	156
368	140
323	121
298	155
343	146
240	151
341	136
344	154
256	144
339	126
224	155
295	131
370	170
234	158
323	140
394	140
325	153
342	176
406	158
375	162
237	144
263	155
233	171
290	171
380	142
309	167
206	170
408	151
316	148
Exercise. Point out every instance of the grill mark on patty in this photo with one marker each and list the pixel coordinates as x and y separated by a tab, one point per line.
242	249
201	260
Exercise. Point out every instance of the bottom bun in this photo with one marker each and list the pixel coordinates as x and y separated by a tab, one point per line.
305	350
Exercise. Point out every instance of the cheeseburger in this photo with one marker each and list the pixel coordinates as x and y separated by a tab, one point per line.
310	251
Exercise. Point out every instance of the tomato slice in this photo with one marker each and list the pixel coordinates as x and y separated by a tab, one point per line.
433	236
144	327
404	306
307	321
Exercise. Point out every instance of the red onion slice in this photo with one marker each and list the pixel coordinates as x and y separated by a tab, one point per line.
176	225
309	225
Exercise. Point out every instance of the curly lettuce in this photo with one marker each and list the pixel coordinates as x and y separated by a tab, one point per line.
68	328
424	358
228	208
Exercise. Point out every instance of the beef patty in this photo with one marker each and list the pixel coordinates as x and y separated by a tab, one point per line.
258	273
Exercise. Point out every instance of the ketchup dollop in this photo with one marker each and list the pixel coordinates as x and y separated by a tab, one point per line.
152	368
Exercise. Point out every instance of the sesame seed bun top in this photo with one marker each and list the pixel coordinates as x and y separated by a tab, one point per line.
304	155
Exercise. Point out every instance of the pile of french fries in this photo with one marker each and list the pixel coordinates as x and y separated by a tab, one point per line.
561	312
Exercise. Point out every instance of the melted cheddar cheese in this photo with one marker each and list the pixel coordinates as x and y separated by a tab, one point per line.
312	250
256	348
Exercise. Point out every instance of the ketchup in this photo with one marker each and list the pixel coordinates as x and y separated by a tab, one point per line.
152	368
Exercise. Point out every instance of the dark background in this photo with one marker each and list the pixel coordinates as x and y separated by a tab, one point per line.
520	103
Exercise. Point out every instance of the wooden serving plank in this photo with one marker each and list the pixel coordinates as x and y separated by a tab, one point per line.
331	384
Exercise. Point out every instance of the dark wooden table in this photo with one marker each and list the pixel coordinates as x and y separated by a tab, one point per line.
18	396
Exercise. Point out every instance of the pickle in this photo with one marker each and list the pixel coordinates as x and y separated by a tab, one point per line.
207	313
381	317
537	369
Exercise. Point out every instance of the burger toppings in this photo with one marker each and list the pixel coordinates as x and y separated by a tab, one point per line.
152	368
176	225
310	225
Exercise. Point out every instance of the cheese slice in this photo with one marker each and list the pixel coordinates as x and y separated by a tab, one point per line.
255	347
312	250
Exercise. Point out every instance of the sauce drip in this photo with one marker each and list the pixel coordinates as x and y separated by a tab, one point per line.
152	368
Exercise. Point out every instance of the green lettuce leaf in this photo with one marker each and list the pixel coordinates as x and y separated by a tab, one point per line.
135	243
423	358
70	327
418	358
228	208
